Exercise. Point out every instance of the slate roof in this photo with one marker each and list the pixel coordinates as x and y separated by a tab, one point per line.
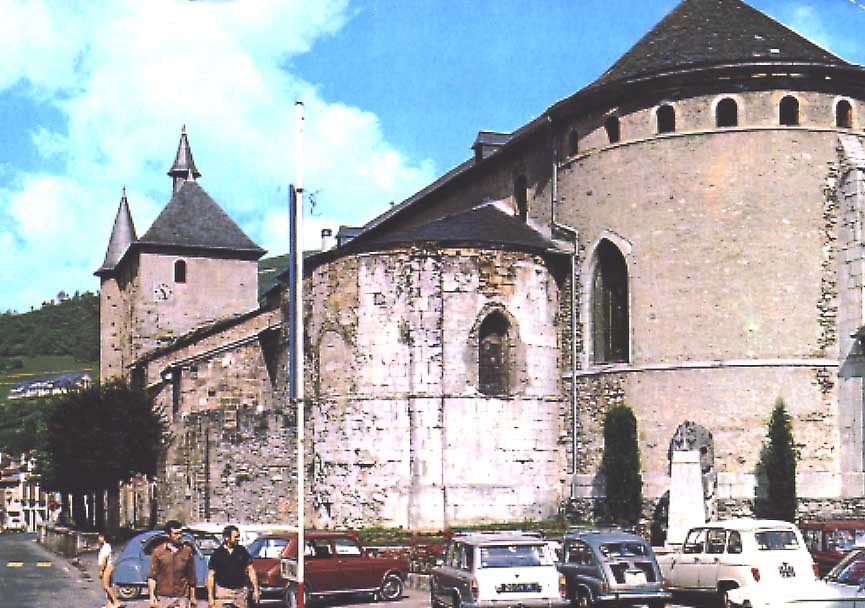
714	32
184	164
485	224
122	236
193	219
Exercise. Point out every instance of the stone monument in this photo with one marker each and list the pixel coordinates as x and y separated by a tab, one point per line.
687	507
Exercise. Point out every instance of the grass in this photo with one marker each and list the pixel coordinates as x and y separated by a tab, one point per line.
35	367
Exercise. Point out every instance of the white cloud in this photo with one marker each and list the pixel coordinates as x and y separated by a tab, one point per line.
126	76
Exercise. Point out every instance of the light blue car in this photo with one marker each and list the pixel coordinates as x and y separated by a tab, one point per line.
133	564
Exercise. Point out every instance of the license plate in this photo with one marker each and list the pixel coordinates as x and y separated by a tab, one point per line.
519	588
786	570
635	578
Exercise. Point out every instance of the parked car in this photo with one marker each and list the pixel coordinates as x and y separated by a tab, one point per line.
829	541
843	587
498	569
334	564
724	555
605	568
133	563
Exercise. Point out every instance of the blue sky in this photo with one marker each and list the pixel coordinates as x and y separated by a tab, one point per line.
93	98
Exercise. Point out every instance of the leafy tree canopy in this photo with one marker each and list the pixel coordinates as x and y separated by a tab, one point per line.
94	438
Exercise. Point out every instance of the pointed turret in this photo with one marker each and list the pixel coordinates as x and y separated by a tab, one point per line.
183	170
122	236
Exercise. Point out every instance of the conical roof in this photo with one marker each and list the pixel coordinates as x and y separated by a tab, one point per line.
122	236
701	33
184	164
193	219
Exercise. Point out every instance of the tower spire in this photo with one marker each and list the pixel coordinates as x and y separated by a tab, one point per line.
183	169
122	236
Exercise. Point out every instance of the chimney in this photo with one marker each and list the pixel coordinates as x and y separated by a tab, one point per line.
326	239
488	142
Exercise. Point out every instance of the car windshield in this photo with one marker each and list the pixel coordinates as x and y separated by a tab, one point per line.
267	548
776	540
623	549
515	556
850	570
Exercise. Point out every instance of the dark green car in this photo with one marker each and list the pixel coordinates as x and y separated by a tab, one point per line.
611	568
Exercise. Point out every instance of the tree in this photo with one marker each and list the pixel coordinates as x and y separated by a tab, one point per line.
94	438
778	460
621	465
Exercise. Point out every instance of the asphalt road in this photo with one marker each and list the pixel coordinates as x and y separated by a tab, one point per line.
32	576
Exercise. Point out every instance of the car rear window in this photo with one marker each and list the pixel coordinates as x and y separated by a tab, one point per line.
515	556
624	549
776	540
844	540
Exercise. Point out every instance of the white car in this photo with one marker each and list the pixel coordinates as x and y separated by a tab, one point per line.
721	556
842	588
501	570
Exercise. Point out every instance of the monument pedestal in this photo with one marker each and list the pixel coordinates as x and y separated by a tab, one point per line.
687	508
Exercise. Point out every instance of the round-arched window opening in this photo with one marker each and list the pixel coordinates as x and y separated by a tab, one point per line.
844	115
180	271
494	355
789	111
666	119
727	113
610	314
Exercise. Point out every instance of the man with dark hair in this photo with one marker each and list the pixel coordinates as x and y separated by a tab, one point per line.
171	580
230	572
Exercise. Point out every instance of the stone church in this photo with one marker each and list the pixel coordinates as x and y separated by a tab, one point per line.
683	235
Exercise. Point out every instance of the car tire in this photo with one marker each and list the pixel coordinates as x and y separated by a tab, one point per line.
583	599
127	592
458	601
290	597
433	599
391	589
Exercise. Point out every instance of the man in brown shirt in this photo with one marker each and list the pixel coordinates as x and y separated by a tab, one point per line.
171	580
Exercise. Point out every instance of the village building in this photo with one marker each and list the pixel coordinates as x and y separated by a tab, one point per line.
683	235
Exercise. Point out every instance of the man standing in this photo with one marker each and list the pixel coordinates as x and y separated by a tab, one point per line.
230	572
171	580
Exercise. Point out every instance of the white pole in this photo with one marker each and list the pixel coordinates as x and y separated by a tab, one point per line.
298	344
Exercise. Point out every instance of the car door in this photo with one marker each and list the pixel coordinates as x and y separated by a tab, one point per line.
716	543
321	568
452	578
685	573
358	570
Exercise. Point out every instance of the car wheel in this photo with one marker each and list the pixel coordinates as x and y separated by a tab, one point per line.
433	598
583	599
458	602
290	598
127	592
391	588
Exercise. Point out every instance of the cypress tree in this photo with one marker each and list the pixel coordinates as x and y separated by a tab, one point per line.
779	465
621	465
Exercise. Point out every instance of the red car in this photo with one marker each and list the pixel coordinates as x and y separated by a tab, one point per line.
334	564
829	541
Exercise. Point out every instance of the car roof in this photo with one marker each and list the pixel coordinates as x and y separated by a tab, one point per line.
498	539
748	523
597	537
311	534
834	524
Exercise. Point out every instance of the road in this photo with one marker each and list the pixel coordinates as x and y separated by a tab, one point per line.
30	576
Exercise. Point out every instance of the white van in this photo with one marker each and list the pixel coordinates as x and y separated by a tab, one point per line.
719	556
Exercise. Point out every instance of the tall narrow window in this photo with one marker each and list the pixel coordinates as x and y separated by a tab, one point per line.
844	115
493	355
666	119
521	197
610	305
727	113
573	142
180	271
789	111
613	129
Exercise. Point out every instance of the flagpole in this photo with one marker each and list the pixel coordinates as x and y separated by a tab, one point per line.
297	395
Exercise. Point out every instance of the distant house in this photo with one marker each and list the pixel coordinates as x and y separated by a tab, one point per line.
50	385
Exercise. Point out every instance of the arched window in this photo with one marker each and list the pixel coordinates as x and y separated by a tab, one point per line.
493	355
613	129
844	114
573	142
789	111
610	305
666	119
521	197
727	113
180	271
